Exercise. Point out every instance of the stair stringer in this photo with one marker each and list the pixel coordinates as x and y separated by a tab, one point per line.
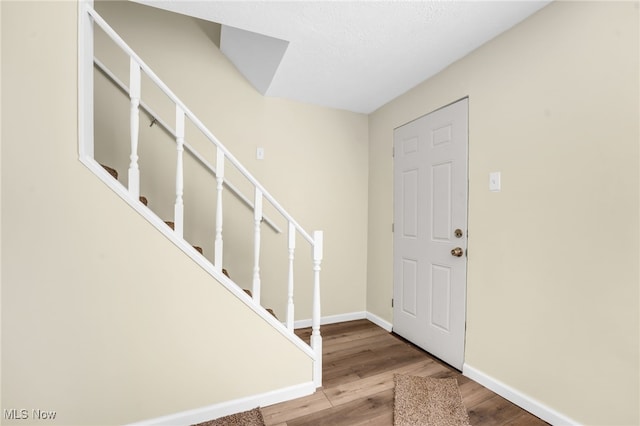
199	259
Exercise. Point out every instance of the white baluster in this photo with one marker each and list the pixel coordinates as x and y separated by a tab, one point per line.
292	247
178	215
316	338
134	94
219	181
257	219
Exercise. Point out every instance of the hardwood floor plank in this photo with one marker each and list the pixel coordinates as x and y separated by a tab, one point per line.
374	384
285	411
368	365
351	347
526	419
494	411
473	393
357	412
359	362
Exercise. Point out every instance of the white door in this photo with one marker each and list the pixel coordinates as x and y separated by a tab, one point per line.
430	232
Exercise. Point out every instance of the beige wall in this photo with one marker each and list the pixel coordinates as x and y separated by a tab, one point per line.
553	267
315	162
552	290
103	320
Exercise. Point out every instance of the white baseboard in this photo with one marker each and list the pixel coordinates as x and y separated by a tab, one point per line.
352	316
332	319
532	405
380	322
215	411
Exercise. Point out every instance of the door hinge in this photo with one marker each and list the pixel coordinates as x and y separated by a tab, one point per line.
392	302
393	152
393	227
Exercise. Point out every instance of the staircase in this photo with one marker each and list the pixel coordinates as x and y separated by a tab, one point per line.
113	172
173	228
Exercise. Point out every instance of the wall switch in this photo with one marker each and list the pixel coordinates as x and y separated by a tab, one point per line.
494	181
260	153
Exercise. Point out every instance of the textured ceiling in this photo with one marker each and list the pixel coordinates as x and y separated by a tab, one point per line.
354	55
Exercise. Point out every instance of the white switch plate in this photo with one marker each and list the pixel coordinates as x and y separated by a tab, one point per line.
494	181
260	153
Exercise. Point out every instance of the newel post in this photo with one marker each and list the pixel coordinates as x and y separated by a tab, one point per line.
292	248
316	338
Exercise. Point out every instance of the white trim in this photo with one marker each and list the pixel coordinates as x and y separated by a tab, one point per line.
522	400
351	316
332	319
386	325
215	411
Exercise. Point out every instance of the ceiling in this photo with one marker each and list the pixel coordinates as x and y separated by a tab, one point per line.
352	55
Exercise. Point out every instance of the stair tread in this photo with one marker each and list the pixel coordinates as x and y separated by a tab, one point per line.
246	290
112	172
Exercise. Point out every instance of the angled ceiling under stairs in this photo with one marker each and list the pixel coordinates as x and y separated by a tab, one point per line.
352	55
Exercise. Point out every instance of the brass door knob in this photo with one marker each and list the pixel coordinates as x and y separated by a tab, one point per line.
457	252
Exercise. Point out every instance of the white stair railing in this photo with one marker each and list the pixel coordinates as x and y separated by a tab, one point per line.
137	67
156	119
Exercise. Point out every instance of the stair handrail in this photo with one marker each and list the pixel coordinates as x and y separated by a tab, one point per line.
196	121
158	120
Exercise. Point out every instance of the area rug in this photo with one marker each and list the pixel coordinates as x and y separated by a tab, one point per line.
428	401
247	418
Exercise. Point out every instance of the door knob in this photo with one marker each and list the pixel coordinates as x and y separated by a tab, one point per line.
457	252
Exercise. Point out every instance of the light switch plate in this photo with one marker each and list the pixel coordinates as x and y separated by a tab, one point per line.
494	181
260	153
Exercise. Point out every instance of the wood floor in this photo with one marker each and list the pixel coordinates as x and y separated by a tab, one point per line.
359	361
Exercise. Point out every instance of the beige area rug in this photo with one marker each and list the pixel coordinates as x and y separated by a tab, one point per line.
247	418
428	401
